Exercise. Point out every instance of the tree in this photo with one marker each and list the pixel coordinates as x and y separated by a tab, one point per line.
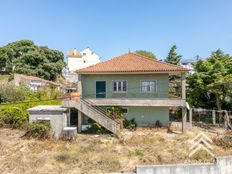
211	85
173	57
146	54
25	57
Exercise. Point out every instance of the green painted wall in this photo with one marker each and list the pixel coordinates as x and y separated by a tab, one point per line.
133	85
145	116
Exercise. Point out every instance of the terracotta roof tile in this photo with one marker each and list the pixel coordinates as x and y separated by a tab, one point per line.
36	79
131	63
73	54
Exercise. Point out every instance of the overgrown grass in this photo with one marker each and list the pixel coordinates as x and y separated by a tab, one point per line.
97	154
4	78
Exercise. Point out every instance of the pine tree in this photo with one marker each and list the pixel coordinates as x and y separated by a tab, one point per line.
173	57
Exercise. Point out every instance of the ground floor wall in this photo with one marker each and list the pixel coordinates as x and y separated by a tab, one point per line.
147	115
143	115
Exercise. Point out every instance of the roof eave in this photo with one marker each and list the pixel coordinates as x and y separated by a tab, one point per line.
132	72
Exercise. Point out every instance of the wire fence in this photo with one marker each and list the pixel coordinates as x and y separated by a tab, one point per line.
213	117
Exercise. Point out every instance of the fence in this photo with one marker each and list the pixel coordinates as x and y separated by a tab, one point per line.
215	117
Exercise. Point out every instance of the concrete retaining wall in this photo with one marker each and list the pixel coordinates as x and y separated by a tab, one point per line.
222	165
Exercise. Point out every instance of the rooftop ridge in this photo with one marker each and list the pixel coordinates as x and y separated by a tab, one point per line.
155	60
122	64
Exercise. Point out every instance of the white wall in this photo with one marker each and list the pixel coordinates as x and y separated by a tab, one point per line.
88	58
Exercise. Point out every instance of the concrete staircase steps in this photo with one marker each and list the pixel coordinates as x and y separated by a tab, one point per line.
93	112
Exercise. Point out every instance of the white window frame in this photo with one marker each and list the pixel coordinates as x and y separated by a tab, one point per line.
141	87
117	86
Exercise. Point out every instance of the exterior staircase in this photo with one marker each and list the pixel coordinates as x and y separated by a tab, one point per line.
94	112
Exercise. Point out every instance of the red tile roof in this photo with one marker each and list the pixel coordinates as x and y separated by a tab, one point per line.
33	78
74	54
131	63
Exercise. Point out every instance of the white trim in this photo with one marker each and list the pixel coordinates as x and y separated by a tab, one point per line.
96	88
148	80
119	92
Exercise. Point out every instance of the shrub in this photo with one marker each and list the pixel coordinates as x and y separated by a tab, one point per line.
38	129
115	112
129	124
137	153
47	93
95	128
13	117
158	124
11	93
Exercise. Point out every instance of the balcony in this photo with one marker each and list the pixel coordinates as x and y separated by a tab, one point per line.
162	102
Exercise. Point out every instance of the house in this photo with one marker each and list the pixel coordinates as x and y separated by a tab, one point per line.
32	82
189	63
77	60
138	84
81	59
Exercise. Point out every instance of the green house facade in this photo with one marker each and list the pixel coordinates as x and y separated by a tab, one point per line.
136	83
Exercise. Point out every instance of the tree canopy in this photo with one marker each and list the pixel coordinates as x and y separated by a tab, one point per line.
173	57
24	57
147	54
211	85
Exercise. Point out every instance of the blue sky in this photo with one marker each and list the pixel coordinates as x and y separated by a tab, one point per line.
110	27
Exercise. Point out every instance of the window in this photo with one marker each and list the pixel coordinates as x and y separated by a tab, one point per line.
124	110
84	61
84	54
148	86
119	86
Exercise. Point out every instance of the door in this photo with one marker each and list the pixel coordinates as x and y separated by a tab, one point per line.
100	89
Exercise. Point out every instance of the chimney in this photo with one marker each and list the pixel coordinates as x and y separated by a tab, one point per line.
75	52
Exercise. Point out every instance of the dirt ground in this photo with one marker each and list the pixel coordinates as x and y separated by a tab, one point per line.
98	153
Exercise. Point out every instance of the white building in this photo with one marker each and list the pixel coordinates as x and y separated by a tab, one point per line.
33	83
188	63
81	59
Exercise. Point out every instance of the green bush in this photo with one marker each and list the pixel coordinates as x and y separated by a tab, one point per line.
38	129
47	93
129	124
115	112
14	117
11	93
95	128
158	124
136	153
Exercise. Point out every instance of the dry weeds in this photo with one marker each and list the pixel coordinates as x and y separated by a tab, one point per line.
96	153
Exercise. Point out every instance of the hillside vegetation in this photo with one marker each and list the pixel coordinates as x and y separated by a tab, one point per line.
24	57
